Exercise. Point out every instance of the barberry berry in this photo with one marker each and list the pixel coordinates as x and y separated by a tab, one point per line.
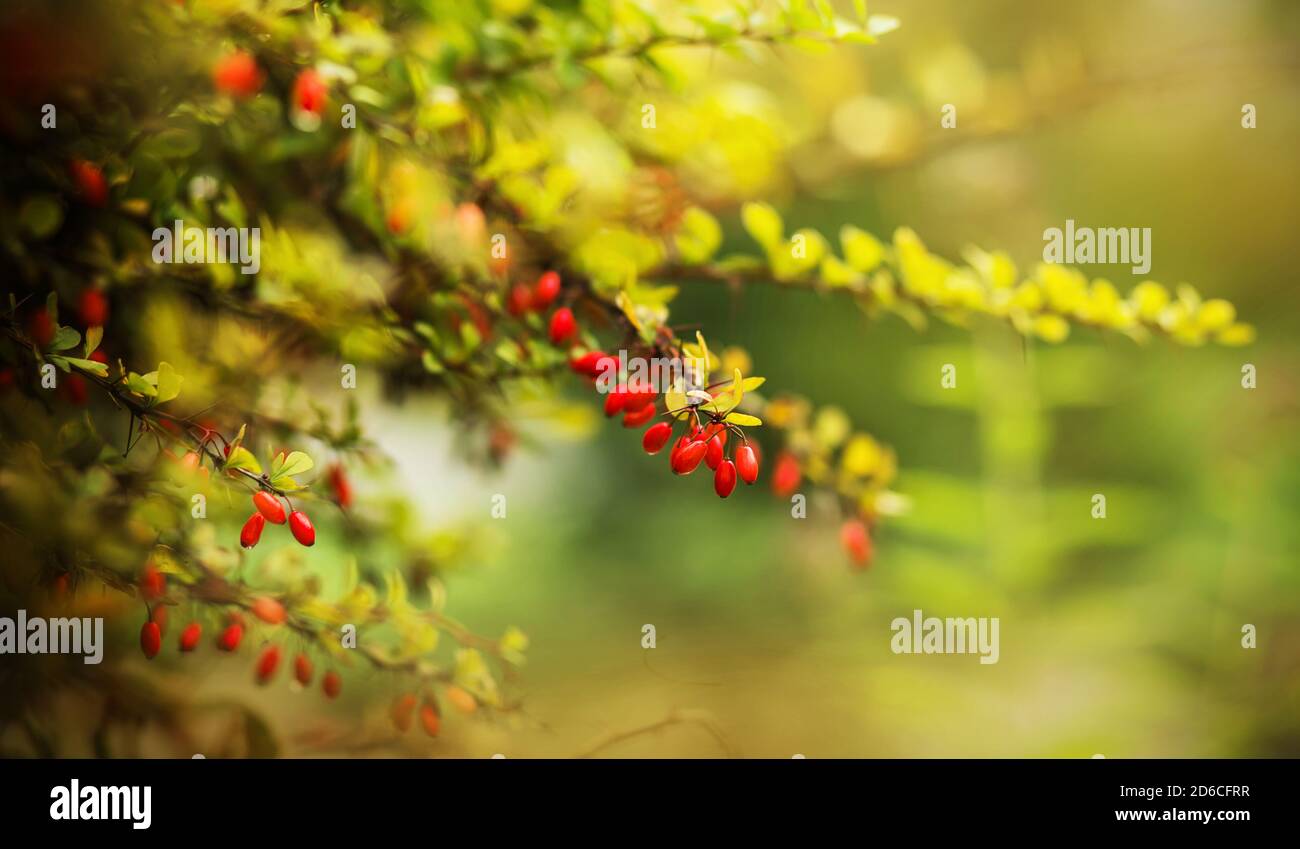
636	418
153	583
430	719
857	542
302	669
92	188
331	684
547	290
150	639
302	528
309	91
747	463
724	479
268	610
689	457
461	699
190	636
92	307
563	326
656	436
269	506
268	663
786	477
230	637
403	711
237	74
252	531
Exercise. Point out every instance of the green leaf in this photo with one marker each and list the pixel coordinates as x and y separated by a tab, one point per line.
241	458
41	216
174	143
862	251
295	464
91	366
140	386
743	420
763	223
169	383
94	335
64	339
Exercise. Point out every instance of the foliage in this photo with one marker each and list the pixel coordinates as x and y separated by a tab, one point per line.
491	142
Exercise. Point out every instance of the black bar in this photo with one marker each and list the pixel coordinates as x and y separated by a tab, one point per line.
216	798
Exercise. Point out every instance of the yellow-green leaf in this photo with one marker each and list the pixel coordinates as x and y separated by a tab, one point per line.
743	419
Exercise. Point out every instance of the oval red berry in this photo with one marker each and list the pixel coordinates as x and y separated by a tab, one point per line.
724	479
267	664
150	639
563	326
190	636
269	506
548	289
252	531
301	527
229	639
747	463
689	457
656	436
331	684
302	669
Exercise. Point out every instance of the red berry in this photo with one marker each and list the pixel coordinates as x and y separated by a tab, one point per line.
519	300
41	328
563	326
636	418
230	637
615	399
461	699
190	636
656	436
150	639
331	684
269	506
724	479
309	91
89	180
403	711
302	529
153	583
93	308
74	385
689	457
747	463
639	398
593	363
786	477
429	719
268	610
237	74
717	440
302	669
548	289
398	220
341	485
268	663
857	542
252	531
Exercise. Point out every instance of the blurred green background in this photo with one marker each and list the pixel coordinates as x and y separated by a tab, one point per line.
1119	636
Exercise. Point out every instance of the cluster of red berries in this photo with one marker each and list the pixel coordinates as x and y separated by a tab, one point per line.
153	586
699	444
562	327
269	509
403	711
237	74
